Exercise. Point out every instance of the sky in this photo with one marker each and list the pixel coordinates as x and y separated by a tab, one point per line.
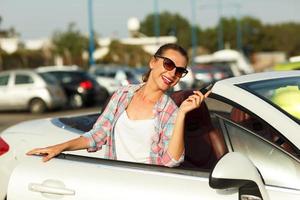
36	19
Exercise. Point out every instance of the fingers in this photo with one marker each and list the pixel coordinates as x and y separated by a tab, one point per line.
48	157
195	99
45	152
38	151
207	93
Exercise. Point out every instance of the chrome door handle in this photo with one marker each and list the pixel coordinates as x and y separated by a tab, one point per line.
51	187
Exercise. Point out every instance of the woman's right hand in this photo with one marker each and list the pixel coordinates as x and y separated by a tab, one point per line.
47	152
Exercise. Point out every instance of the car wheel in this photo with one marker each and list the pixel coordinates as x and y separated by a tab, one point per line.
76	101
37	106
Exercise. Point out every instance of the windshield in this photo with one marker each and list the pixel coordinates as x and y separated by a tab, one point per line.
282	93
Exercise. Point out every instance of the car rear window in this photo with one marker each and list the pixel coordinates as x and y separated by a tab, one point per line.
48	78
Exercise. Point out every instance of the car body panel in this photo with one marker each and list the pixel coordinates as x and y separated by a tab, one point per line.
51	131
110	182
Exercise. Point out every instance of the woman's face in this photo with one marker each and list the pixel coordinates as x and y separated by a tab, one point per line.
163	78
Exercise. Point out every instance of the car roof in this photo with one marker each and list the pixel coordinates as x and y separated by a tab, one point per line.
259	77
19	71
58	68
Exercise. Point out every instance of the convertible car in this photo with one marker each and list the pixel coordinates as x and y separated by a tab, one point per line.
243	143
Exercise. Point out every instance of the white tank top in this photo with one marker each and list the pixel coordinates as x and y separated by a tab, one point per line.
133	138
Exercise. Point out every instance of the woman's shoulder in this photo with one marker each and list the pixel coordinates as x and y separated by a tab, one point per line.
129	88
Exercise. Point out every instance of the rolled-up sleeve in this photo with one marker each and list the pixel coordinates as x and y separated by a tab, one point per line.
160	154
97	136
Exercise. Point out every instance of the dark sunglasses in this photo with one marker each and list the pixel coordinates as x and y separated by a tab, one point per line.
170	65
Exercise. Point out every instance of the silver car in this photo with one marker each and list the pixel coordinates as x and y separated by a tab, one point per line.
29	90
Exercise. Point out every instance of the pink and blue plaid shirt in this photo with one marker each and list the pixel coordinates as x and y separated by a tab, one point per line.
165	111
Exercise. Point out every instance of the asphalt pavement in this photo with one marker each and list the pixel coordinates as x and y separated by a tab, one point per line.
10	118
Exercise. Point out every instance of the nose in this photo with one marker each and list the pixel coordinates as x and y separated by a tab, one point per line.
172	72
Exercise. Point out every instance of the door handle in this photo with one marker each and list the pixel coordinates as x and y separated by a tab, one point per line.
51	187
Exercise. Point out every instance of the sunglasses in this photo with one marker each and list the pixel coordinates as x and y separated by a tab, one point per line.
170	65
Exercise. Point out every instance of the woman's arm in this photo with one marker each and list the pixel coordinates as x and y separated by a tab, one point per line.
52	151
176	144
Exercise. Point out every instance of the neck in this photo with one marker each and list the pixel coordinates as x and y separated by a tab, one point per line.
149	94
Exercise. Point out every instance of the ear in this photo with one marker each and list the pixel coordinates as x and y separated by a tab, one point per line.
152	62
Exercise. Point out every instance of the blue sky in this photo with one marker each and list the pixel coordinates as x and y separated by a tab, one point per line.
40	18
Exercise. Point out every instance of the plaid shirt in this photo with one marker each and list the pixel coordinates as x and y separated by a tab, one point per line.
165	111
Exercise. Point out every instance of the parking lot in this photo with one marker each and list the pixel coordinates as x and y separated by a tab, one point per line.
10	118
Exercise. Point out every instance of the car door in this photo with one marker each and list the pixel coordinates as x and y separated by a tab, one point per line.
4	89
275	157
23	89
86	178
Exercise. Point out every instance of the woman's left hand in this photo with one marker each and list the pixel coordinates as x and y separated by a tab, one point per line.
193	101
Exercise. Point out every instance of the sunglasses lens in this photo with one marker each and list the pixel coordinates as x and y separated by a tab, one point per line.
180	72
169	64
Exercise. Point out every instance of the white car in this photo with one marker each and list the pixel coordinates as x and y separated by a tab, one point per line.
113	77
249	126
29	90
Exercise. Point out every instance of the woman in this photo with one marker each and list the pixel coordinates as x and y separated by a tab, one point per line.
141	123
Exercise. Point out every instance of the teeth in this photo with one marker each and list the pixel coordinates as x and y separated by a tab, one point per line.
166	79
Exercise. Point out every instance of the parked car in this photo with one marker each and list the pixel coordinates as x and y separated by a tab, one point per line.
242	143
81	88
235	61
205	74
287	66
29	90
112	77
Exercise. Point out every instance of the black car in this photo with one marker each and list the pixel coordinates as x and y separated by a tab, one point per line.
81	88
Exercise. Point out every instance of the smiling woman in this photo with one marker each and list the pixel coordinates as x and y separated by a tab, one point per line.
142	108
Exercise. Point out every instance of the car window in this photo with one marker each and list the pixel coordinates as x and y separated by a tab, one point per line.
48	78
23	79
255	124
277	167
70	76
282	93
105	73
4	80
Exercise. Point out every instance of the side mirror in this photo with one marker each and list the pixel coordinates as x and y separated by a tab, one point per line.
234	170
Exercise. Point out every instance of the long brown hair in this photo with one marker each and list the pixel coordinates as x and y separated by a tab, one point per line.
163	49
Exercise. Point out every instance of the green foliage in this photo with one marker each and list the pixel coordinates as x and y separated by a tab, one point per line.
129	55
255	36
22	59
170	24
70	44
283	37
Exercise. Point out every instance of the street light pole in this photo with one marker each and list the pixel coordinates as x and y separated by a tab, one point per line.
91	33
239	41
194	34
156	20
220	27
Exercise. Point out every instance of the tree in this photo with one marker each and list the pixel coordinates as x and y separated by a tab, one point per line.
170	24
130	55
70	45
283	37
